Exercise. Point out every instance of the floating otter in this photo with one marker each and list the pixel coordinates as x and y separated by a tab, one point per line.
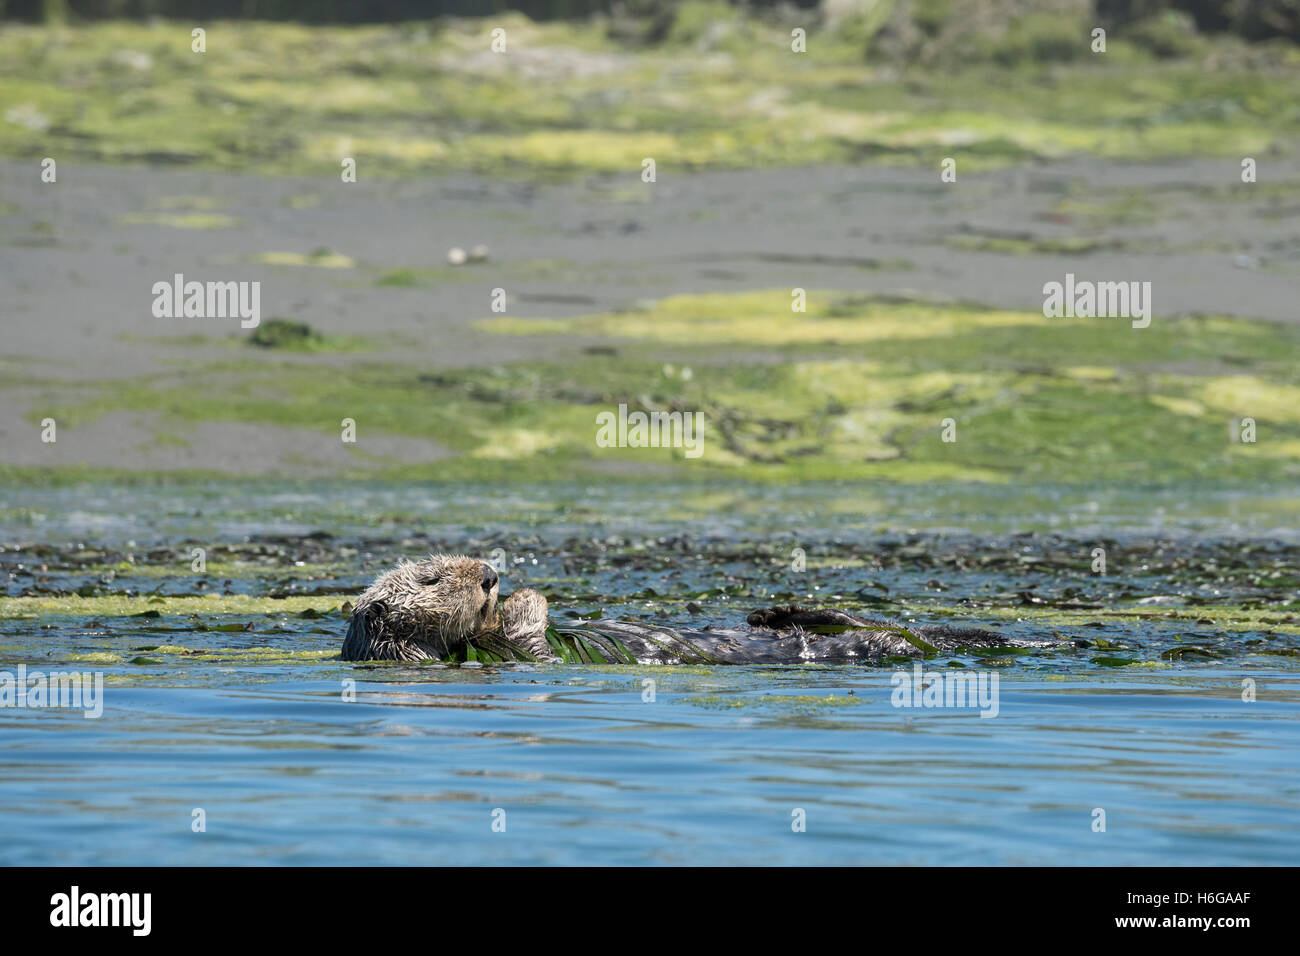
430	609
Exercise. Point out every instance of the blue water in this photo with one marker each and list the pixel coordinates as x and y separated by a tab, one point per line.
253	728
586	772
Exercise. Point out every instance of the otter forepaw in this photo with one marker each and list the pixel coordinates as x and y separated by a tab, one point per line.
523	621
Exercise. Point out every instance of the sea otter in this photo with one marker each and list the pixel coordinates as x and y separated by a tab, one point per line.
430	609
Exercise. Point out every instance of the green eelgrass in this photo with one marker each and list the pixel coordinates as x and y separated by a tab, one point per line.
575	645
582	645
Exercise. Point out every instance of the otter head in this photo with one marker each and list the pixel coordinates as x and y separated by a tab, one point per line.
438	603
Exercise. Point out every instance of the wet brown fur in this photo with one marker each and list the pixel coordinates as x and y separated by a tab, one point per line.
428	609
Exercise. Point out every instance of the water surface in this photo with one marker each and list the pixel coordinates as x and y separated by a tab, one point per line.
296	757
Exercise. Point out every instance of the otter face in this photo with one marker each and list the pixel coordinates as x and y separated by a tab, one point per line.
439	602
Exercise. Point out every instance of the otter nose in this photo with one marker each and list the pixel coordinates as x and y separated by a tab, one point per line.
489	577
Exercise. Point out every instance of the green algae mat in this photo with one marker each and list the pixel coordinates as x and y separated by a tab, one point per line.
719	90
856	387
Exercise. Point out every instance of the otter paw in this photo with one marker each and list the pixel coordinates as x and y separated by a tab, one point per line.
523	621
525	610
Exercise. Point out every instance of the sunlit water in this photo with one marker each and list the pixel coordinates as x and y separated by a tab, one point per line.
567	764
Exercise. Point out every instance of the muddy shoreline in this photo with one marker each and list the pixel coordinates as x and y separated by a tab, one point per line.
82	255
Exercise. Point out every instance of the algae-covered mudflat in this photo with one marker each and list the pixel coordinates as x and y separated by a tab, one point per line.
858	386
824	321
719	90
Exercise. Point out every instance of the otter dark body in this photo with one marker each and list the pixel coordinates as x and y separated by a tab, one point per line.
429	609
792	635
